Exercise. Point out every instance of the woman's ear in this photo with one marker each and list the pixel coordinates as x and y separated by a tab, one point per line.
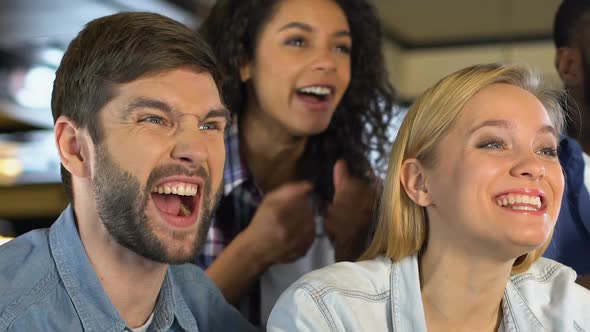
71	145
246	72
413	180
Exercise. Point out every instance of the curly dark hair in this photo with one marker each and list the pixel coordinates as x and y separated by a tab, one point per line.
359	126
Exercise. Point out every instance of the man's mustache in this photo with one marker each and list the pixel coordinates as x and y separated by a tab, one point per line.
173	170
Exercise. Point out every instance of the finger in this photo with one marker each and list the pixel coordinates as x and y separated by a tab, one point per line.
290	258
292	191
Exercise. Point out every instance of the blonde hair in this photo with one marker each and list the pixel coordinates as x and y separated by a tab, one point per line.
402	228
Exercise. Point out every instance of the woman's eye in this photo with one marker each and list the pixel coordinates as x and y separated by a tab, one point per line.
295	41
492	144
343	49
549	152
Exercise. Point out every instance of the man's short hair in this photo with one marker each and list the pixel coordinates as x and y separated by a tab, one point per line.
567	21
118	49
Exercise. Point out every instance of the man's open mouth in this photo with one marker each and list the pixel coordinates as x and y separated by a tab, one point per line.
177	199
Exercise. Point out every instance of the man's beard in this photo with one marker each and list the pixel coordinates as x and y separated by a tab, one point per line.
121	204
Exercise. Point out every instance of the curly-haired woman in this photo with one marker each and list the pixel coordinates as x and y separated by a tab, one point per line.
307	84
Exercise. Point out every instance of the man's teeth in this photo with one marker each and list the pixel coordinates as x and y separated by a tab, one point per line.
316	90
520	202
185	189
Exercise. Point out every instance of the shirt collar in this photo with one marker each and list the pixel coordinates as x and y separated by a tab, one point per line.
525	320
407	309
171	304
92	304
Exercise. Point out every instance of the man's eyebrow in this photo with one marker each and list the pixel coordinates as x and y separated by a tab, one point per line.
149	103
309	28
220	112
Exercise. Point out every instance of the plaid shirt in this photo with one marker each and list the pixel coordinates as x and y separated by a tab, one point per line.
238	205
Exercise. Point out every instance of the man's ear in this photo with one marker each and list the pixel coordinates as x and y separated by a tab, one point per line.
568	63
413	180
72	146
246	72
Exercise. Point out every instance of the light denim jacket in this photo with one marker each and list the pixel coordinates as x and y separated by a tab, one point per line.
48	284
379	295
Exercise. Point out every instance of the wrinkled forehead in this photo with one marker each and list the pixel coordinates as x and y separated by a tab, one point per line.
178	93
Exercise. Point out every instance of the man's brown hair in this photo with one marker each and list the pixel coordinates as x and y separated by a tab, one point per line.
118	49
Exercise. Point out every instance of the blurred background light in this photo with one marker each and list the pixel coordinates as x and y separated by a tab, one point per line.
51	56
10	169
36	88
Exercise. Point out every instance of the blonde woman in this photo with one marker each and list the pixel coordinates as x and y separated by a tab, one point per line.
471	198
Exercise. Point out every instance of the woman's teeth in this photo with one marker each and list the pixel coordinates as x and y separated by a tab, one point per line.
520	202
185	189
316	90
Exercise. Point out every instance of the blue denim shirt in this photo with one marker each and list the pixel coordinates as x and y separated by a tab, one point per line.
48	284
381	295
570	244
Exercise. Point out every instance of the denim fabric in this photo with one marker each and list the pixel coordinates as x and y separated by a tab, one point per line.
380	295
48	284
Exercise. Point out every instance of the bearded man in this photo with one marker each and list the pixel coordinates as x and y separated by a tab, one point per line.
139	126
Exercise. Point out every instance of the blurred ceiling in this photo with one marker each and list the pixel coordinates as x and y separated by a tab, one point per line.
31	31
436	23
33	35
58	21
416	23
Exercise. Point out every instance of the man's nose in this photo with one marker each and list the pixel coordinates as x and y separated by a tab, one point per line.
190	146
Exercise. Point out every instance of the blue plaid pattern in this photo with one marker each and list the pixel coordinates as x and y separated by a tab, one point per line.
240	201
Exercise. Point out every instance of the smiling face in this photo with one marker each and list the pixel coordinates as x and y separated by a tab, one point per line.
301	67
496	183
157	172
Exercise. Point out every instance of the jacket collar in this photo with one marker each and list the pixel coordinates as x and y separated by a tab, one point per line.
407	309
91	302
